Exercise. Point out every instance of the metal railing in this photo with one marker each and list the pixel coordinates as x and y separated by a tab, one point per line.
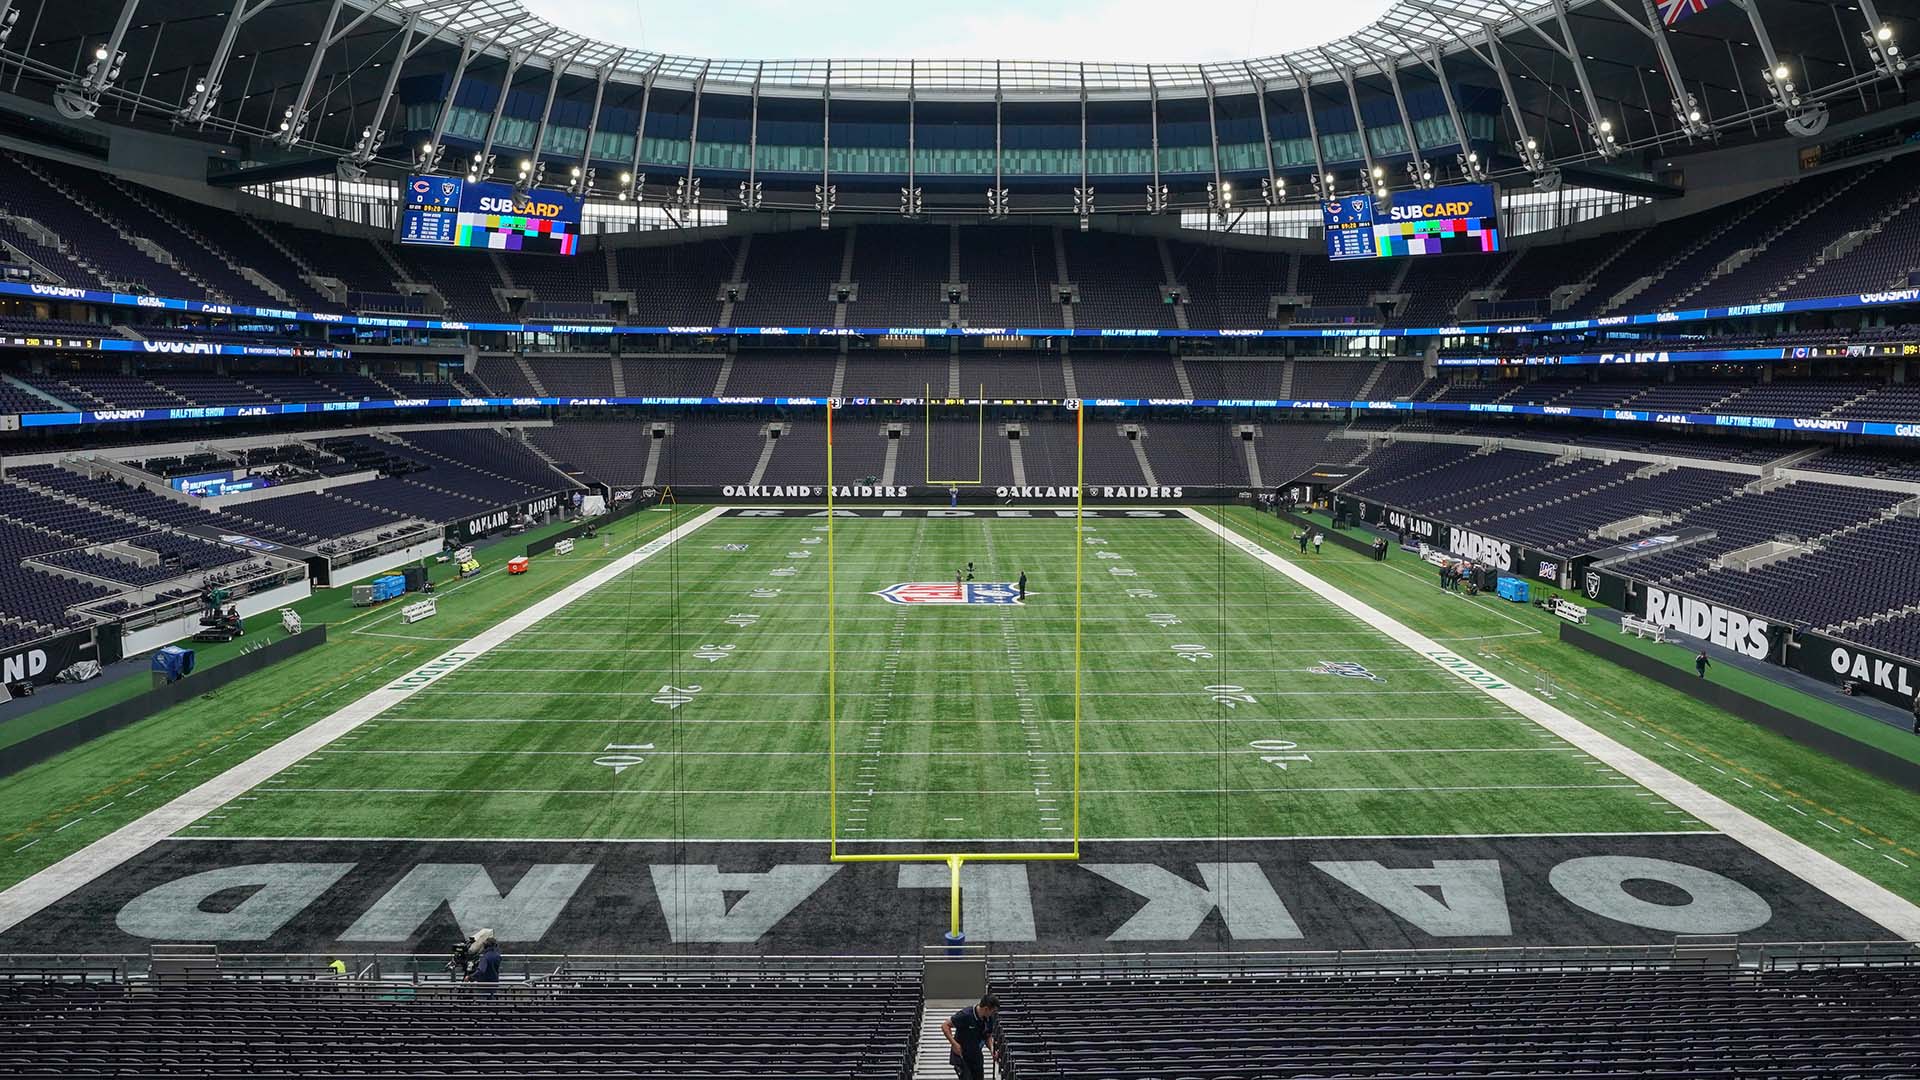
1760	956
1002	967
388	968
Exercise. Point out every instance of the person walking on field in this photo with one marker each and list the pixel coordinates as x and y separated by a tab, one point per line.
1701	663
1318	539
1302	537
1022	586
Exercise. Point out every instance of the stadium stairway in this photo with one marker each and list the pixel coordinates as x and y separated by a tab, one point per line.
930	1058
269	290
140	251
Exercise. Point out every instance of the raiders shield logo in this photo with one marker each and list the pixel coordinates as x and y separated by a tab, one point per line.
1345	669
1592	585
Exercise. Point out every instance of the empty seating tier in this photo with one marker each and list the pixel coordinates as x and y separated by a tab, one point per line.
1837	1022
855	1030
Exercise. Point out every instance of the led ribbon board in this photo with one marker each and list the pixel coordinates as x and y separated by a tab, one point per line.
446	211
1905	296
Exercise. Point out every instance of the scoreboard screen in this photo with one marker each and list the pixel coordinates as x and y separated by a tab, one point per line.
1451	220
448	211
1436	221
1349	227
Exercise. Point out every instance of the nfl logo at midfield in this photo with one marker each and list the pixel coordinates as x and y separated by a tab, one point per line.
1346	669
947	592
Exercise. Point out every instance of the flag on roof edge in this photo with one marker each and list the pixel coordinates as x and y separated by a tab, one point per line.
1672	11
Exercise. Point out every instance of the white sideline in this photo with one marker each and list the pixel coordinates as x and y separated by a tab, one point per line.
29	897
1850	888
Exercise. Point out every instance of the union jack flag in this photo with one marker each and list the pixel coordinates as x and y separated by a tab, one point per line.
1672	11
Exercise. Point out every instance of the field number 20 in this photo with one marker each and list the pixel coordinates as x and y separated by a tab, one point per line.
1231	696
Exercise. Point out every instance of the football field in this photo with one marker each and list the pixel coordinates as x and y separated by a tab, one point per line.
689	699
1177	738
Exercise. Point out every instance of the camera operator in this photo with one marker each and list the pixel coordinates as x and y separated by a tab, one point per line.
476	959
486	958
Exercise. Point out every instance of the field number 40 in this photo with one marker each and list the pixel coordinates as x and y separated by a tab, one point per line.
1274	752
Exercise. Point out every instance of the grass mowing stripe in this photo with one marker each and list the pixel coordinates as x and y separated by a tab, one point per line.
1148	750
1816	868
29	896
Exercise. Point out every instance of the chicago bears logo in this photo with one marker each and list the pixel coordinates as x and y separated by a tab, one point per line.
946	592
1346	669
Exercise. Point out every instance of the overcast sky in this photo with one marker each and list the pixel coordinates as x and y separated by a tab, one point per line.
980	29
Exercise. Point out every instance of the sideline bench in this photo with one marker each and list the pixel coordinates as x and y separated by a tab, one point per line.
1643	628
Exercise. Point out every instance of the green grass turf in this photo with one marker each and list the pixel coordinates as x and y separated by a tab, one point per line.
325	606
1829	711
58	806
956	722
1868	824
509	747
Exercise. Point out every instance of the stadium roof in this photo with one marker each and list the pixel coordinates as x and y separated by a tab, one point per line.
1551	69
1406	26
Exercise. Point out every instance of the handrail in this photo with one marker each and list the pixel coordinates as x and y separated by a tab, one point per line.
386	968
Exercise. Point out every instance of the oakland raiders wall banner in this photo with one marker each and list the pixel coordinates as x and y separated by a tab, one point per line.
42	661
1749	635
1599	586
966	495
1875	674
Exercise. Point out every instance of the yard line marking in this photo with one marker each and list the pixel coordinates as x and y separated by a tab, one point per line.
817	841
875	793
1331	691
1040	769
32	895
1870	899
